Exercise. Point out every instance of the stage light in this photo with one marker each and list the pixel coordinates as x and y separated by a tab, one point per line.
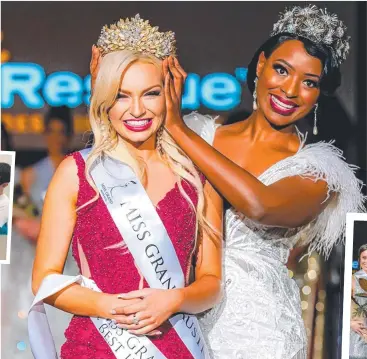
306	290
312	275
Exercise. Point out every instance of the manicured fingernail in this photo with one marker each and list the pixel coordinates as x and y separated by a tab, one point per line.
113	311
114	321
159	333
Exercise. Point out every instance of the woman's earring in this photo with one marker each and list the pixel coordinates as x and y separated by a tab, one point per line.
159	140
315	130
254	104
104	130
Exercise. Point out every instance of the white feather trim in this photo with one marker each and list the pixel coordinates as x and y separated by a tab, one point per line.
318	161
203	125
323	161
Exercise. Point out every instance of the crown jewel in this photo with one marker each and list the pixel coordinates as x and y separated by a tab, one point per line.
138	35
317	25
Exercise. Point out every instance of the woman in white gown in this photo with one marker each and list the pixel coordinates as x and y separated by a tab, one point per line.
282	192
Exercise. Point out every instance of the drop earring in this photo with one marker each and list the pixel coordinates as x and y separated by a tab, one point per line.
104	131
159	140
254	104
315	130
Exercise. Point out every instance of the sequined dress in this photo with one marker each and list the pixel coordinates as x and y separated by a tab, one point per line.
358	344
113	270
260	314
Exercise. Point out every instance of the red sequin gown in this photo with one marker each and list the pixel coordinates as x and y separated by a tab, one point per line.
114	271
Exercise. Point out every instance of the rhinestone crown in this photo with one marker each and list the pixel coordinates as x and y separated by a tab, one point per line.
136	35
317	25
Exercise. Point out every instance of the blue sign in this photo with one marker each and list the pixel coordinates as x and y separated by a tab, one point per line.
355	265
216	91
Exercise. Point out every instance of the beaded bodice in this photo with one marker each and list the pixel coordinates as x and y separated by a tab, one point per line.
113	269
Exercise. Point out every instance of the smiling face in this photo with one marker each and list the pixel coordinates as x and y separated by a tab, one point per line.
139	109
288	83
363	260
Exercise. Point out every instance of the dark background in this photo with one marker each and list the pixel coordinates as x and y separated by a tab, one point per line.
211	37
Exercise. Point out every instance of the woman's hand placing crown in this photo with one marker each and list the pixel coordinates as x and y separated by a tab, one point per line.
94	65
174	79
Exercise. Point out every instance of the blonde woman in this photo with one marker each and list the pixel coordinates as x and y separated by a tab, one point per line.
134	211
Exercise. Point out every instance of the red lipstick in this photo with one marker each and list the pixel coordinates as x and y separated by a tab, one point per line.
282	106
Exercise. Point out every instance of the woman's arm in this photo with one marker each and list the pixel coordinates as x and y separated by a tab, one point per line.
291	202
58	220
158	304
205	291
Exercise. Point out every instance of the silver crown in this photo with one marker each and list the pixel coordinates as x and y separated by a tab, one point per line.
318	26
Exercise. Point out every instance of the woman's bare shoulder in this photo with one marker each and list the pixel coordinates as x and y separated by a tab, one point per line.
68	166
228	132
66	178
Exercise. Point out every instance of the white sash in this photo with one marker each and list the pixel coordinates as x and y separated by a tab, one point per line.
148	242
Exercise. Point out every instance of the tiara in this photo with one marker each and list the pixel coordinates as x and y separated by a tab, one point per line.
136	35
318	26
